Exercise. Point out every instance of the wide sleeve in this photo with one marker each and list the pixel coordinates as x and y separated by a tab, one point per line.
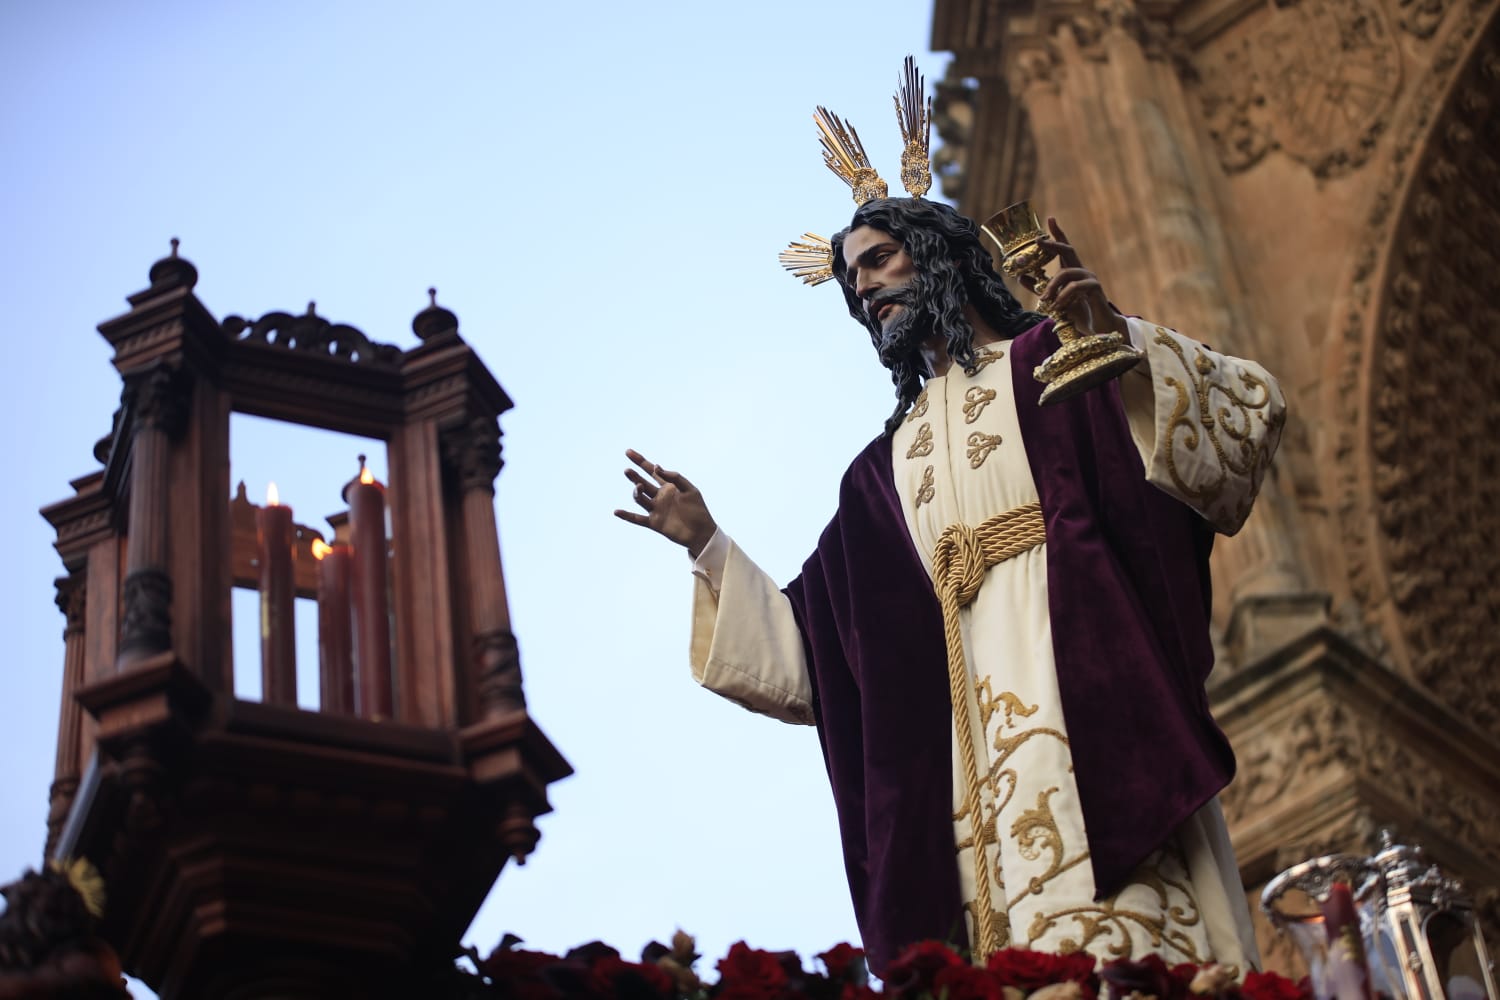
746	644
1206	424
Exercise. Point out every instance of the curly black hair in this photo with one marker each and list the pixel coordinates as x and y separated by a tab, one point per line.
953	270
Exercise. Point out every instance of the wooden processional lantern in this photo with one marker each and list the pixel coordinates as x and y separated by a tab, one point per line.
255	848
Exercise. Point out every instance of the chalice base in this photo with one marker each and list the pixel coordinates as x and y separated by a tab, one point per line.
1081	364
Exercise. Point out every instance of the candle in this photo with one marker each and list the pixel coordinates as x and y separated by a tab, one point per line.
372	627
278	637
335	628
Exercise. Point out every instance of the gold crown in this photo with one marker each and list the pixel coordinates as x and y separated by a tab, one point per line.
811	258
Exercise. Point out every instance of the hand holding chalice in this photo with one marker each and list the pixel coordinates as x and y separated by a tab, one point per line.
1086	358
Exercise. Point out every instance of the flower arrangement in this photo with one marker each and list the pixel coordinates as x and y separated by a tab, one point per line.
48	949
928	970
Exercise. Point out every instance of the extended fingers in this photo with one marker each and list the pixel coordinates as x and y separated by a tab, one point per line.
656	472
676	479
644	493
640	460
1076	291
1066	254
641	483
1069	282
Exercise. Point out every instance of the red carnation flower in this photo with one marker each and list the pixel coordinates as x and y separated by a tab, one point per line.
632	979
965	982
748	973
515	960
520	973
844	960
1272	986
1149	977
1028	970
916	968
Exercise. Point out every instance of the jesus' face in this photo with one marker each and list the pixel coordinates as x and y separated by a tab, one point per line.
886	280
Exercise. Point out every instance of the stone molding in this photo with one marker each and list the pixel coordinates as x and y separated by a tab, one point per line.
1414	398
1331	745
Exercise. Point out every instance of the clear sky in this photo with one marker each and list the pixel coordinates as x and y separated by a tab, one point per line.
599	191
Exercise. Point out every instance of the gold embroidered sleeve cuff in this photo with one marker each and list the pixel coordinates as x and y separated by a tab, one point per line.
1217	421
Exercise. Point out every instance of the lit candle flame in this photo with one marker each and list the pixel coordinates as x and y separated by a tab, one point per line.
320	548
273	499
366	476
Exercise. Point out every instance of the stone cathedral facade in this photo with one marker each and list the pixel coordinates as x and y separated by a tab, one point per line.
1315	184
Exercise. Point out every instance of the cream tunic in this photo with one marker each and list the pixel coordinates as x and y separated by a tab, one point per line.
958	458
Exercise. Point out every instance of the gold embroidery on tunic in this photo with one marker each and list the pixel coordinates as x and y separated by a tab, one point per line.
1186	912
926	491
989	703
1001	922
1035	831
980	446
983	360
1003	779
1238	448
922	446
975	400
919	407
988	827
1164	930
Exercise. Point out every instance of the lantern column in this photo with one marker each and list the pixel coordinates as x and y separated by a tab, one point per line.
154	400
72	593
475	453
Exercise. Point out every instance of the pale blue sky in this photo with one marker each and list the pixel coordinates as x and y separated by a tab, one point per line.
599	192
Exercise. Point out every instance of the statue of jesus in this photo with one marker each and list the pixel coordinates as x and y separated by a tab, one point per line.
1003	633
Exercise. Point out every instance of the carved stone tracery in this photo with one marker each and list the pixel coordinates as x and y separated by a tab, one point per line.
1421	18
1397	369
1419	502
1323	743
953	119
1316	80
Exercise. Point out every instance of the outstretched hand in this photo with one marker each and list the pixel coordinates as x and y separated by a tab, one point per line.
1074	292
673	506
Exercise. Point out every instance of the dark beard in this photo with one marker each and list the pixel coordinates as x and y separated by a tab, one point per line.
913	323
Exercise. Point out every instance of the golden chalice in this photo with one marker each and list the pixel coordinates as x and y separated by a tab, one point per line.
1085	359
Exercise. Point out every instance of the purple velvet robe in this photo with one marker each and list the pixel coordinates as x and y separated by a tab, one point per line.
1128	595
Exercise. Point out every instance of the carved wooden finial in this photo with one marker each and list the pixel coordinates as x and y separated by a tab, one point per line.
173	270
433	321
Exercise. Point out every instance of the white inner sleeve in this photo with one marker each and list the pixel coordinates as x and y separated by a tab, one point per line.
745	642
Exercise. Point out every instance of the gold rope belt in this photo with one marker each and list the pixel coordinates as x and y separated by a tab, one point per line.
962	557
